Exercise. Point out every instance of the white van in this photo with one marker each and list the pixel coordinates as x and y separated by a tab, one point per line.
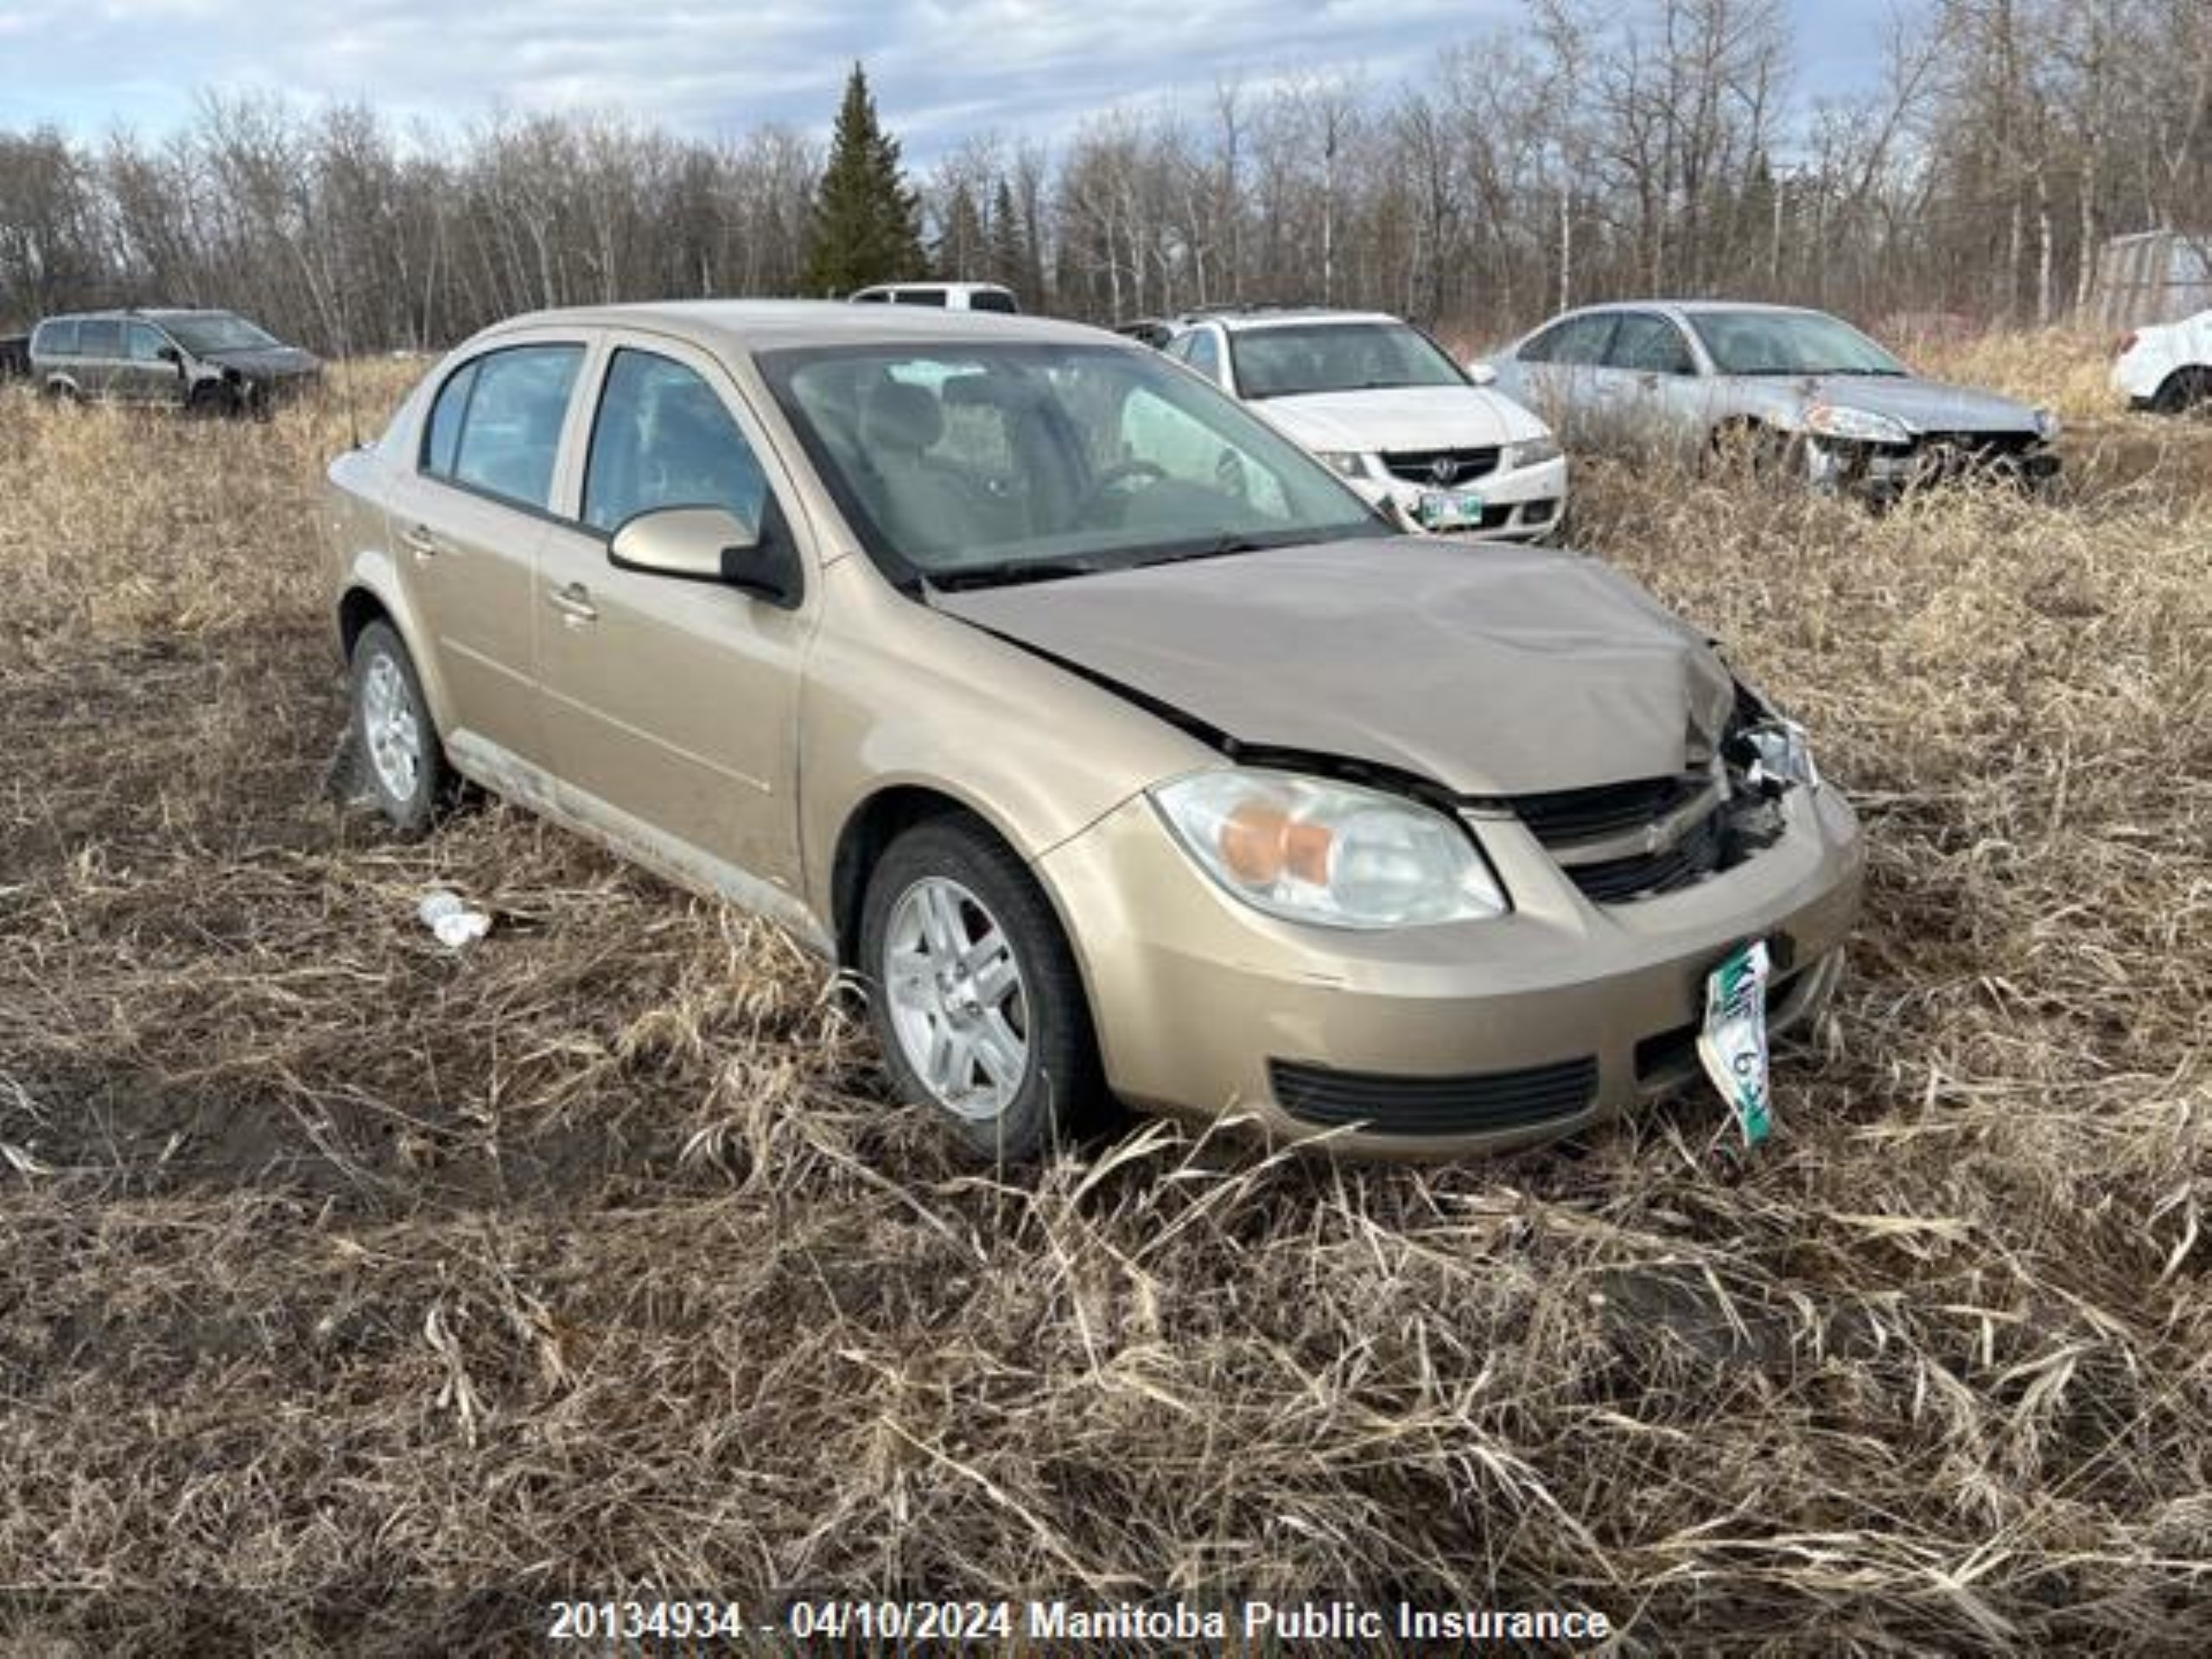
946	296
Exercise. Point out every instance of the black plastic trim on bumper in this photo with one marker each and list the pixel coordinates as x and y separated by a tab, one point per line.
1476	1103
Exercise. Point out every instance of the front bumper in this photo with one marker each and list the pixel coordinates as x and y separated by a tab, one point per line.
1206	1008
1884	472
1524	505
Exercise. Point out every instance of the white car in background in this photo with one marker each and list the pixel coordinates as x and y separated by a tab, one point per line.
1385	406
2167	366
944	297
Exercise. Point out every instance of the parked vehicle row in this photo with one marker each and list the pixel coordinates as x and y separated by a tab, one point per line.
1121	750
206	362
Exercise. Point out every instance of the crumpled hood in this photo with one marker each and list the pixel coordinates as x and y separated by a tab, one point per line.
1400	417
267	362
1923	405
1497	671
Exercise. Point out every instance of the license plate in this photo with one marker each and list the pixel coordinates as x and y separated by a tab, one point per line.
1450	509
1733	1043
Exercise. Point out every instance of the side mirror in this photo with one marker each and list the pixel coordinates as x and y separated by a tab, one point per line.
704	544
1482	373
169	354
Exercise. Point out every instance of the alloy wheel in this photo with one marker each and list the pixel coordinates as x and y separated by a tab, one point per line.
390	725
958	1002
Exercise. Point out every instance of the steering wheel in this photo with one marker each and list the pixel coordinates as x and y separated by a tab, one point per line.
1119	472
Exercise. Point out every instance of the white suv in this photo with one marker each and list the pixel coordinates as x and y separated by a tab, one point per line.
945	296
1385	406
2167	366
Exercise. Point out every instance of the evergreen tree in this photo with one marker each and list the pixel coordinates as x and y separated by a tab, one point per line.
865	226
960	250
1009	260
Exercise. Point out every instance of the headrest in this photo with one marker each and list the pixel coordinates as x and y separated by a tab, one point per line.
903	418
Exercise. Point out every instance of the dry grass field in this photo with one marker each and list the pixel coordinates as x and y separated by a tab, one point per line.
359	1296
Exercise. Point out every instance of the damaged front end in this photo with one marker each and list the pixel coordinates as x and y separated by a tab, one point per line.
1622	842
1880	459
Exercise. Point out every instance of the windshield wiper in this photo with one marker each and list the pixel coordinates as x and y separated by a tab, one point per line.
1222	547
1012	572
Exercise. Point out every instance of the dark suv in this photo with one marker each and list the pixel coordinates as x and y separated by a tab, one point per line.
209	362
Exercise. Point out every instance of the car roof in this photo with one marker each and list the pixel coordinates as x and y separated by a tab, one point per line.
1691	307
1239	321
770	325
934	288
143	314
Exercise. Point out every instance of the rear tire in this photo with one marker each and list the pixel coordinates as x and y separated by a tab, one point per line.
973	993
395	741
2183	390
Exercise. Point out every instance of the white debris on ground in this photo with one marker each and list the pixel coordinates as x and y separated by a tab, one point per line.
456	922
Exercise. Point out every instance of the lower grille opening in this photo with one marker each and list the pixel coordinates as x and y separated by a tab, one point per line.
1474	1103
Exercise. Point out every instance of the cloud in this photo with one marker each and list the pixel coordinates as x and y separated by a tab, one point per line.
942	69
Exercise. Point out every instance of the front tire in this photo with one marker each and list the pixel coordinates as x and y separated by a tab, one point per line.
973	993
400	758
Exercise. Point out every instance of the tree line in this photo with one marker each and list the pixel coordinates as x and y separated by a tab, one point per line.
1585	152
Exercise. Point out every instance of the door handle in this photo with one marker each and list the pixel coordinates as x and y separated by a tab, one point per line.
573	602
421	543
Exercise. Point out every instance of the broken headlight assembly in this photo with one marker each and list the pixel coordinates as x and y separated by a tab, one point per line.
1854	425
1781	754
1310	849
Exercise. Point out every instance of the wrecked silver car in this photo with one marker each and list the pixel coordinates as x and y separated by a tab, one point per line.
1795	392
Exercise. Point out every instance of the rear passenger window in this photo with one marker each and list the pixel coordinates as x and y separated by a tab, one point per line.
1579	340
99	337
1648	344
509	423
664	438
919	296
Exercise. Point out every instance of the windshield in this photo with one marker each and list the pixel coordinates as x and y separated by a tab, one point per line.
1288	359
1788	342
974	464
216	331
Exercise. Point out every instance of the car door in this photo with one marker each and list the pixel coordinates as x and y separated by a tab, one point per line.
144	376
1558	376
672	704
99	353
468	515
1653	401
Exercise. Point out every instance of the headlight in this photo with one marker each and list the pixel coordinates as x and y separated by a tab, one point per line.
1858	425
1781	750
1310	850
1346	461
2046	425
1530	452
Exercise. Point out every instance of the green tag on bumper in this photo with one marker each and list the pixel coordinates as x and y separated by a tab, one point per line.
1734	1043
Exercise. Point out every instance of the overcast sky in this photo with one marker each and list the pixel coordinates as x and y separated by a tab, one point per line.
942	69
